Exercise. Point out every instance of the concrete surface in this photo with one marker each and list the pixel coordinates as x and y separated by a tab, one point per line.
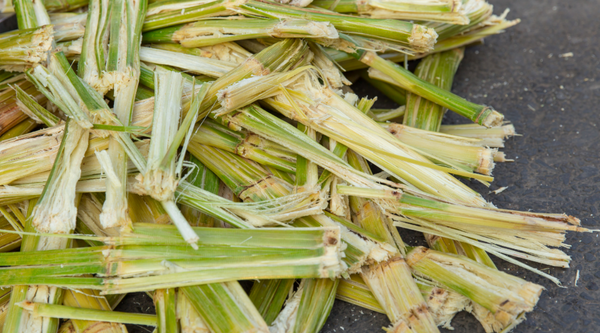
552	101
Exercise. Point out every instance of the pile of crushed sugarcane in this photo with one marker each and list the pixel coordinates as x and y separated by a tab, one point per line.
176	147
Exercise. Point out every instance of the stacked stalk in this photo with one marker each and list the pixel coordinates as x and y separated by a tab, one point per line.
315	252
391	281
268	135
439	69
410	37
496	231
55	211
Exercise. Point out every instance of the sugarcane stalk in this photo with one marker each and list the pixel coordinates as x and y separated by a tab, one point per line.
197	65
543	231
236	312
24	49
229	52
491	137
265	254
448	11
68	312
31	14
185	12
54	213
23	127
390	282
340	118
211	32
413	37
68	26
437	69
480	114
8	242
308	308
124	64
355	291
64	5
507	297
392	92
90	299
245	144
33	109
463	153
269	296
166	311
92	64
189	319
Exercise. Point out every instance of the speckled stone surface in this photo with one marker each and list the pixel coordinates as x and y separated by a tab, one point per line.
553	102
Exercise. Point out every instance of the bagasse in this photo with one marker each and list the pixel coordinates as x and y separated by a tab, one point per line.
179	147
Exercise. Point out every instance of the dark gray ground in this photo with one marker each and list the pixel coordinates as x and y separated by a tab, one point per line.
552	101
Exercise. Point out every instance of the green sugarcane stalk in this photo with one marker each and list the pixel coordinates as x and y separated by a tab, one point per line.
235	313
24	49
166	312
392	92
123	61
491	137
437	69
306	252
211	32
413	37
390	282
462	153
31	14
269	296
189	319
90	299
203	178
185	12
54	213
64	5
507	297
448	11
308	308
480	114
245	144
68	312
33	109
229	51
